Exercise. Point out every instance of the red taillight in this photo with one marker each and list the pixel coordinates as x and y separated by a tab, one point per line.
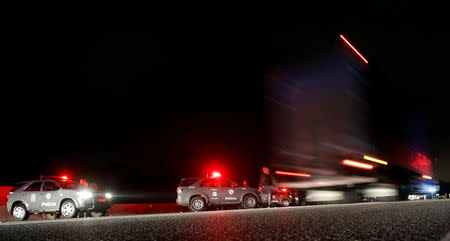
357	164
64	177
296	174
284	189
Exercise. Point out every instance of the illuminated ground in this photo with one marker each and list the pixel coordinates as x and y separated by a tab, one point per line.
413	220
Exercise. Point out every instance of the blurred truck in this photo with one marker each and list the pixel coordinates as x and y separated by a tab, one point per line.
320	128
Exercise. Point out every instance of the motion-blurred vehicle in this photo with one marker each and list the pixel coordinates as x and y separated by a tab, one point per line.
200	193
54	197
319	144
282	196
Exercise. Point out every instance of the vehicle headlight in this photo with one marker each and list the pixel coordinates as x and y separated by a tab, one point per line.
108	195
85	194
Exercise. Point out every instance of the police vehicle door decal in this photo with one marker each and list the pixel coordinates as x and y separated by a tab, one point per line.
214	194
230	195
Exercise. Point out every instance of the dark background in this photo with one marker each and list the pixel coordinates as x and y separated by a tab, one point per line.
137	97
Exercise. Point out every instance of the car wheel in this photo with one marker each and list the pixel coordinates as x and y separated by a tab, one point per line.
54	215
284	203
68	209
250	201
197	204
98	213
20	212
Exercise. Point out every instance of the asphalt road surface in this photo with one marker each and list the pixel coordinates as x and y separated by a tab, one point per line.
412	220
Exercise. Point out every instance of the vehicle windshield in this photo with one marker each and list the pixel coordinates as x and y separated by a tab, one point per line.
17	186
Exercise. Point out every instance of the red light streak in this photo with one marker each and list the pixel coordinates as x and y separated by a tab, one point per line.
357	164
64	177
351	46
296	174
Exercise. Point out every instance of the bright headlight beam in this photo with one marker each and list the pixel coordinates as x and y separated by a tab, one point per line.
375	160
354	49
427	177
85	194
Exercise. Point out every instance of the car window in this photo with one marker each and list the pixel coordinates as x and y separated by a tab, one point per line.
210	183
70	185
35	186
228	183
51	186
187	182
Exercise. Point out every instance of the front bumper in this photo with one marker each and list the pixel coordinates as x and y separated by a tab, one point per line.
85	204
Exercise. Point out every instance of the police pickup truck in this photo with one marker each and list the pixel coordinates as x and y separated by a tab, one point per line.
200	193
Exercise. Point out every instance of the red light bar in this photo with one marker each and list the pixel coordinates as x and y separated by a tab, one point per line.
351	46
357	164
296	174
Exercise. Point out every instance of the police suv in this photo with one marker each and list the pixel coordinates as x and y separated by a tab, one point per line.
199	193
52	197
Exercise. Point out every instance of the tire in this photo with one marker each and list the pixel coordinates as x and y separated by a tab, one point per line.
98	213
250	201
68	209
53	216
20	212
197	204
284	203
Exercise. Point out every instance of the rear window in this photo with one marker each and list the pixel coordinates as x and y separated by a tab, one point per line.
17	186
187	182
210	183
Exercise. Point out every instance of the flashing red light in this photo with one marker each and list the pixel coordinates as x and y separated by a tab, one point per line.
284	189
64	177
354	49
216	174
357	164
296	174
265	170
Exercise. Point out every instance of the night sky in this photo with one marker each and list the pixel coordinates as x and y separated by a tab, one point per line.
140	97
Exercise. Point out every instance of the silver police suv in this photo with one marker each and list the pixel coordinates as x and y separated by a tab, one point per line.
199	193
52	197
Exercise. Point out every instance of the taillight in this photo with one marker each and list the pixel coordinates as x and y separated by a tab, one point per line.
179	190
